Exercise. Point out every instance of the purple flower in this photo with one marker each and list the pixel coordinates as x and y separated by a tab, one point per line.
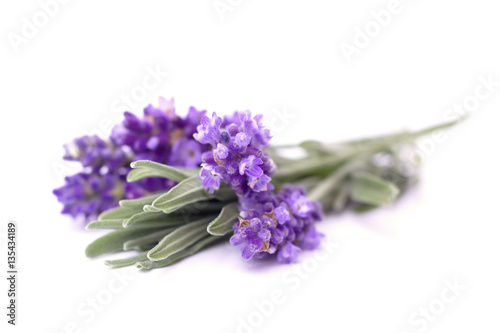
288	253
186	152
282	214
300	204
260	183
92	151
86	194
242	139
237	146
264	234
167	105
160	135
192	120
254	127
221	151
156	136
272	218
211	177
209	130
311	240
250	166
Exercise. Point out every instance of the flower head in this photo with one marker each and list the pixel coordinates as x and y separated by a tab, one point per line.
209	130
237	152
160	135
273	221
156	135
94	152
87	194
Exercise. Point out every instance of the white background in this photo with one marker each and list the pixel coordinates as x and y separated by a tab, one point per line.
69	78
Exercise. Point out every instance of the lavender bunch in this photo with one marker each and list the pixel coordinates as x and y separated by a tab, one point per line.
160	136
245	191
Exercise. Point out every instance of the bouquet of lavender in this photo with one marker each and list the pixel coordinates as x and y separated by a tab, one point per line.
169	186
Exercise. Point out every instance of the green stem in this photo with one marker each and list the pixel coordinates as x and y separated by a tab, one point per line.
311	165
329	184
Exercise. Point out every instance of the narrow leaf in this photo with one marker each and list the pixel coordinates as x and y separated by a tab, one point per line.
341	199
147	264
188	191
147	216
179	239
126	261
325	188
106	224
143	224
118	213
113	241
150	209
147	239
140	202
145	168
224	222
372	190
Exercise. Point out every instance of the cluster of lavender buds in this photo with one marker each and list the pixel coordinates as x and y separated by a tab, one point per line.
87	193
269	222
160	135
93	153
237	157
282	222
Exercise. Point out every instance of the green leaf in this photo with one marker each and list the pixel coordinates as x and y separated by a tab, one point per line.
145	168
181	216
106	224
140	202
118	213
168	221
179	239
372	190
312	145
187	191
113	241
126	261
147	239
311	166
147	264
201	207
224	222
150	209
341	199
149	217
325	188
363	208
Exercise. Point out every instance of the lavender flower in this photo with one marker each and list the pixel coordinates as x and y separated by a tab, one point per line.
94	152
281	222
269	222
87	194
186	153
237	156
160	135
